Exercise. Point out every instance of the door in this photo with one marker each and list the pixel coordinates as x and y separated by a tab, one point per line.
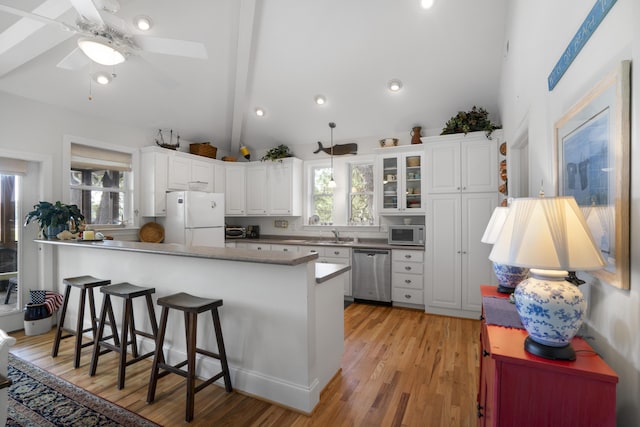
203	210
256	189
8	244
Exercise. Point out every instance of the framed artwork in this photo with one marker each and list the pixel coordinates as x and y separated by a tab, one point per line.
593	166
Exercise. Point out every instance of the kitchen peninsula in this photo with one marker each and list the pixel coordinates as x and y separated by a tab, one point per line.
282	317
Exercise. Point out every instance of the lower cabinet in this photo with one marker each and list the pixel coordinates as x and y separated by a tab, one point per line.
519	389
407	271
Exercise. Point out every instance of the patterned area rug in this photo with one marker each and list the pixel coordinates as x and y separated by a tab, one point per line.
38	398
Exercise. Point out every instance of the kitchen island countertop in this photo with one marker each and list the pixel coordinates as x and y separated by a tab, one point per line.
227	254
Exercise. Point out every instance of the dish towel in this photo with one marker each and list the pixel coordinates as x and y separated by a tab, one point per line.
52	300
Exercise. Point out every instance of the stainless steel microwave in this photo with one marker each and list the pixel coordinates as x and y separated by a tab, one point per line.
406	235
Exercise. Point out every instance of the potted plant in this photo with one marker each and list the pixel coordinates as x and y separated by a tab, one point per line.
473	120
277	153
55	217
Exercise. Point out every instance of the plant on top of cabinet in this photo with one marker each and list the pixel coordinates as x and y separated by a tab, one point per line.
277	153
473	120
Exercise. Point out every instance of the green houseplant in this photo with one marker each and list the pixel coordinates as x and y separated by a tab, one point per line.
473	120
277	153
55	217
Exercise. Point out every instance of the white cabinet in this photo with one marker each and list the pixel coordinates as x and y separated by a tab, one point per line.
457	262
285	248
256	188
285	187
189	173
458	163
235	188
264	188
337	255
407	284
153	182
462	192
401	177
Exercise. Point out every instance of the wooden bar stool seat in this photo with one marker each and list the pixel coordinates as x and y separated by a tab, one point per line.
191	306
86	285
129	333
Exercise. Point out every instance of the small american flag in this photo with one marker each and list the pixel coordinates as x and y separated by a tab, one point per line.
52	300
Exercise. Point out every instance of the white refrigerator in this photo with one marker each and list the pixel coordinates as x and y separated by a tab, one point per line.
195	218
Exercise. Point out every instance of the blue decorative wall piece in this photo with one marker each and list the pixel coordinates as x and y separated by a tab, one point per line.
591	22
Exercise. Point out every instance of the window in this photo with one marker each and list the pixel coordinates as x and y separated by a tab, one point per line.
361	194
322	195
100	184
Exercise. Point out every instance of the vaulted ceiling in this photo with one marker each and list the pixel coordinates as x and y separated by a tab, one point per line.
273	54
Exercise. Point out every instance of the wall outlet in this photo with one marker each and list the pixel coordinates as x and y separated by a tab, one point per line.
281	223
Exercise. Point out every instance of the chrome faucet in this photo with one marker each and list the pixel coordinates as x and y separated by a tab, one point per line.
336	234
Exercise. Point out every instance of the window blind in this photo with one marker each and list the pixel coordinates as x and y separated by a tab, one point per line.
12	166
93	158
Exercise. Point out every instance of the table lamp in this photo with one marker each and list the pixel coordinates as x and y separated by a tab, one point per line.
551	237
508	275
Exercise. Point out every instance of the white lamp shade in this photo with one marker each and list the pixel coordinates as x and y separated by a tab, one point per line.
100	52
496	222
547	233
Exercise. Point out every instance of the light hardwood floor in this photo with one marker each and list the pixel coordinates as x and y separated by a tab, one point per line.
401	367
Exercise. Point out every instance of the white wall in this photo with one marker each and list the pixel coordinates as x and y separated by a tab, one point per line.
537	34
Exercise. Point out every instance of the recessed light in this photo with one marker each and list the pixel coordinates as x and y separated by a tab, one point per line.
394	85
259	112
320	99
143	23
426	4
102	78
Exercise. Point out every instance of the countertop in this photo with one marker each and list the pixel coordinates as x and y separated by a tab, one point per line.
228	254
326	271
311	241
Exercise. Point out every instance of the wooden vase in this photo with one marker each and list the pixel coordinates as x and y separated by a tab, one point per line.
415	135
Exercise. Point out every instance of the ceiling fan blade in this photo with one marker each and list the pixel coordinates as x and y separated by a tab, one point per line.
185	48
87	10
36	17
74	60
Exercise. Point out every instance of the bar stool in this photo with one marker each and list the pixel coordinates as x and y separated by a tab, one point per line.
191	306
128	292
86	285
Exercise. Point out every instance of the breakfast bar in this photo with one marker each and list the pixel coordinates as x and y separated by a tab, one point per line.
282	317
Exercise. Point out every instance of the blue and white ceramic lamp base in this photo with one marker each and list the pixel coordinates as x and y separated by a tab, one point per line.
509	277
552	311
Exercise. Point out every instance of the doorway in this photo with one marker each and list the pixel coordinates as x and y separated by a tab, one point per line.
9	239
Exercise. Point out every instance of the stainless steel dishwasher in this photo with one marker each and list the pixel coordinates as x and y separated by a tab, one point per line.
371	274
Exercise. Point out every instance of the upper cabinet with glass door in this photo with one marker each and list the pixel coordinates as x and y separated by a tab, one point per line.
402	175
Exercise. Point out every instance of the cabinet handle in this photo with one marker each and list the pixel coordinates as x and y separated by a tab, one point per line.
464	188
407	296
480	414
286	250
457	188
407	268
407	281
479	406
336	252
407	256
485	353
259	248
197	182
481	317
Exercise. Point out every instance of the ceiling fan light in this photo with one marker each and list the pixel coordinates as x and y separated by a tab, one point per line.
102	78
100	52
143	23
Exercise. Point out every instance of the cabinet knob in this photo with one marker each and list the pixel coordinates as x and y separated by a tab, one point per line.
480	414
457	188
481	317
407	296
407	256
336	252
407	281
286	250
407	268
485	353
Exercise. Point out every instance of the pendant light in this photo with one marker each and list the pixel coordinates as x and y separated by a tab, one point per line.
332	183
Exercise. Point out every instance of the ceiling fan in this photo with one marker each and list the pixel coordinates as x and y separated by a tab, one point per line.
105	38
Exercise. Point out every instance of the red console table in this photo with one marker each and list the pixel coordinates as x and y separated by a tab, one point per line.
520	389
